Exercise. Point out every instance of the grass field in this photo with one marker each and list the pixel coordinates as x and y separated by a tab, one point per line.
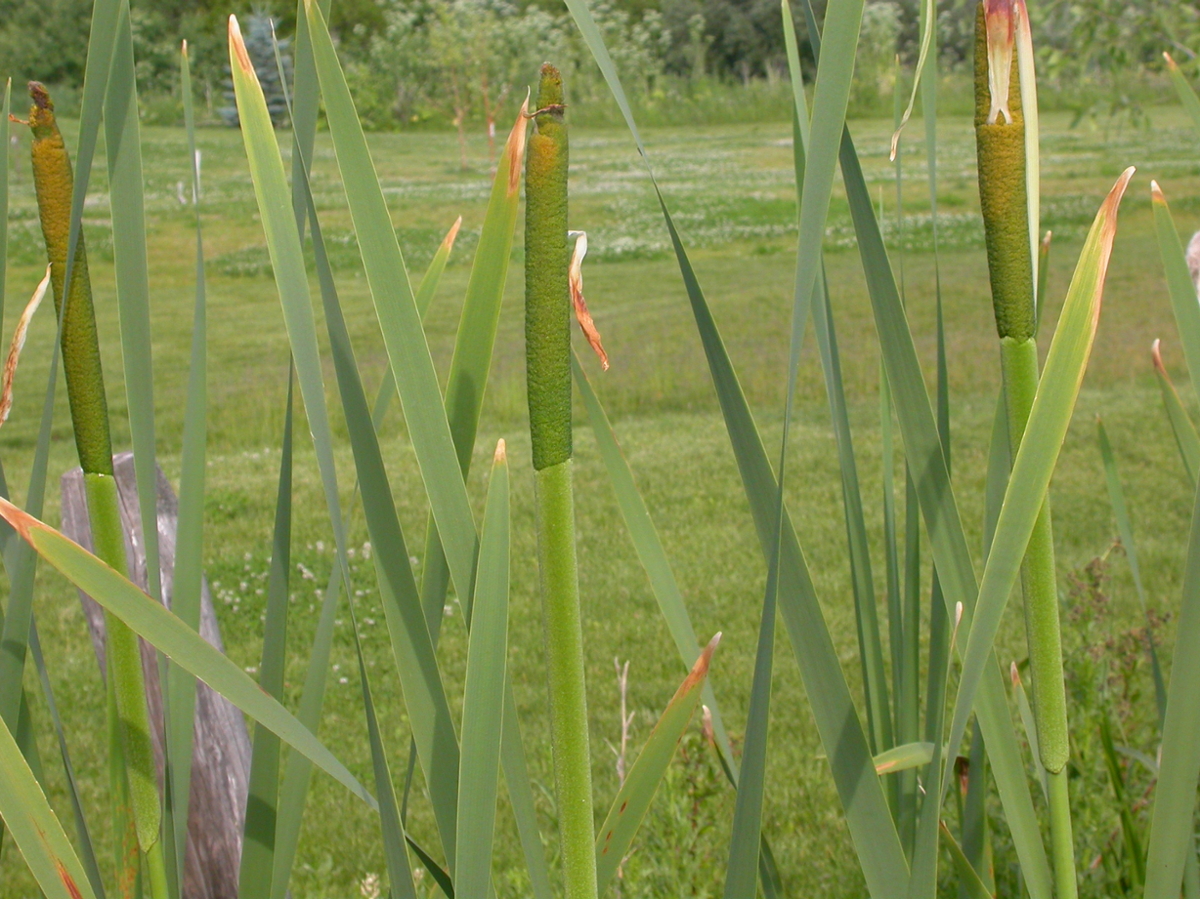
732	191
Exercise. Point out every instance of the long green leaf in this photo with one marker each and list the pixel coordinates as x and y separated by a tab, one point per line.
412	646
262	800
1116	496
967	874
1187	95
927	461
483	692
858	785
650	551
1180	286
1186	438
1038	453
404	339
636	793
189	542
35	829
166	633
1172	820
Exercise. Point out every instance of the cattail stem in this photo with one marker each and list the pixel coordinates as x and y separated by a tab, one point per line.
548	366
1001	147
53	183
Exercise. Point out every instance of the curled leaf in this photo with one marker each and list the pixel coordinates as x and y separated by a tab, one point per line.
18	342
575	277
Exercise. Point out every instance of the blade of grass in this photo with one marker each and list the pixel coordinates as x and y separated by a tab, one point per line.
395	306
297	772
1130	829
637	791
35	829
968	876
904	757
189	541
1116	496
1038	453
1172	839
1026	711
164	631
483	692
412	646
82	834
1179	283
857	783
1181	423
923	445
257	868
1187	96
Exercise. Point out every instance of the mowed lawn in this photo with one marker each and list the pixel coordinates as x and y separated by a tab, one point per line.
732	193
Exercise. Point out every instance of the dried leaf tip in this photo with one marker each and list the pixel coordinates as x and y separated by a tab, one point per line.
1156	193
1000	20
575	280
1156	355
451	235
183	47
1014	674
239	46
516	147
21	520
18	342
1171	64
501	456
1113	200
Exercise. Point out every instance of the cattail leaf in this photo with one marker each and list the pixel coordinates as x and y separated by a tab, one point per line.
837	720
1172	840
903	757
1181	423
1180	286
1116	496
650	552
1187	94
967	874
263	793
636	793
166	633
483	692
35	828
404	338
1038	453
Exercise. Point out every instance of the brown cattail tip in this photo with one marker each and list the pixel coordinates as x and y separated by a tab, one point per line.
501	452
239	46
40	96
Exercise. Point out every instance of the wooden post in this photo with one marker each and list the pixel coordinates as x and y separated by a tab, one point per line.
221	755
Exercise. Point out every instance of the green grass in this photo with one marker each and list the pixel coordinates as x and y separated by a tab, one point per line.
732	192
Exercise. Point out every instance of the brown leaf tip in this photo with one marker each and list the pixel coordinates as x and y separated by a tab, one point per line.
1156	193
501	452
21	520
239	46
1014	674
515	147
451	235
1156	355
1174	66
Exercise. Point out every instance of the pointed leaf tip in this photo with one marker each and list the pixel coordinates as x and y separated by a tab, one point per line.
1156	193
239	46
501	452
1174	66
1156	355
515	147
1014	674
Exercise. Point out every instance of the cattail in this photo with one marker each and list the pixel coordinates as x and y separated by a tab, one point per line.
548	370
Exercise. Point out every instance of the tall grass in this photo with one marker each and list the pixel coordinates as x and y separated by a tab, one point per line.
933	692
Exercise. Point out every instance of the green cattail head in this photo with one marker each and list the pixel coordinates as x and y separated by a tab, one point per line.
547	295
1000	145
54	183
